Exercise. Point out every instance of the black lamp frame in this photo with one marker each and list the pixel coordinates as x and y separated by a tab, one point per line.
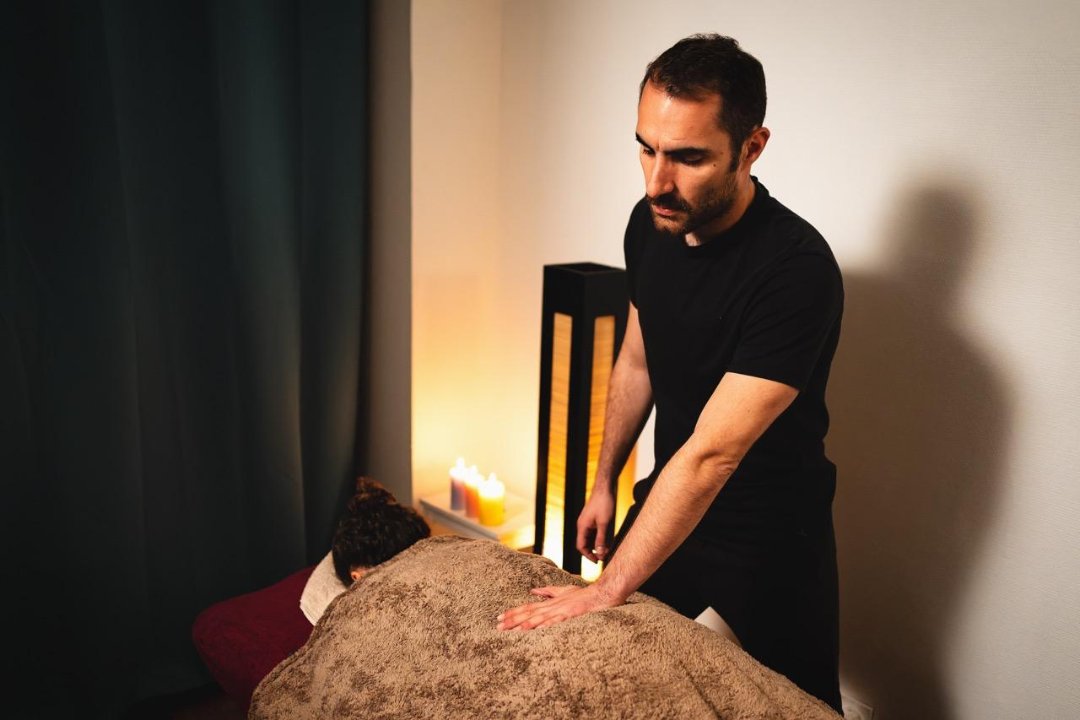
584	291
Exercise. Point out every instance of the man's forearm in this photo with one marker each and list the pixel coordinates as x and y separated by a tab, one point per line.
739	411
683	491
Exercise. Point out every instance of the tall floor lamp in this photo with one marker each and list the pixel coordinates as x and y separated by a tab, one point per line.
584	319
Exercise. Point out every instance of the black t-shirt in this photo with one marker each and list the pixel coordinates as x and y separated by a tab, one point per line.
764	298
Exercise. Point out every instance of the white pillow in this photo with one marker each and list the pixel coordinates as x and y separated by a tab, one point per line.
323	586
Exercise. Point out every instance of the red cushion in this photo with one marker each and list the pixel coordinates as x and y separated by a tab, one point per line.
243	638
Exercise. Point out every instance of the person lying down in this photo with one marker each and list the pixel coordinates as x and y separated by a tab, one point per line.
415	637
374	528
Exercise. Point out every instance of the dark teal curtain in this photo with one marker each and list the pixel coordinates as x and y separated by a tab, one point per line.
182	239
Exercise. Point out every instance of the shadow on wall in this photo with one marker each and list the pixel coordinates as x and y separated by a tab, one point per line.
919	424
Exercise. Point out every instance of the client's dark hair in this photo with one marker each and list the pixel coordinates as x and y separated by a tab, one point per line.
374	528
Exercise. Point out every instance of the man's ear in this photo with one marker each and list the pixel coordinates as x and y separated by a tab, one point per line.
357	572
755	145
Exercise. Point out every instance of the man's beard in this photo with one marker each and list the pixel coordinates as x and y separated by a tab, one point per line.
714	205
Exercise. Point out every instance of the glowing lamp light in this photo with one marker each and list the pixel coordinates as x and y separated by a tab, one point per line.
583	321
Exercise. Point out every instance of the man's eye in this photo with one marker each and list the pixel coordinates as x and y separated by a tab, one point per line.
692	160
646	151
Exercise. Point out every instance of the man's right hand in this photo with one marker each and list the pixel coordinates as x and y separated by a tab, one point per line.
595	524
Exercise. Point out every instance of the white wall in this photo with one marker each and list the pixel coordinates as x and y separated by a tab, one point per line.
458	327
933	143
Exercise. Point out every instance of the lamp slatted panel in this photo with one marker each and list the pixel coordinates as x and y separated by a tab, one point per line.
563	326
583	322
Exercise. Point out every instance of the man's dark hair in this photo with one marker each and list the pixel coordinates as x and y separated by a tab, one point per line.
702	65
374	528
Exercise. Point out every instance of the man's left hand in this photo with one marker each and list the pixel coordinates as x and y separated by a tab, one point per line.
559	603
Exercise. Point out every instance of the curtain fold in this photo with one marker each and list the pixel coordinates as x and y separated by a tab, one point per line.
183	199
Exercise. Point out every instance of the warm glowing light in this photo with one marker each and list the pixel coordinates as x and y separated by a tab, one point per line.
492	501
589	570
603	361
557	431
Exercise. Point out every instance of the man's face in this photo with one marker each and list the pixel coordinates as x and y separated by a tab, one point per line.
686	158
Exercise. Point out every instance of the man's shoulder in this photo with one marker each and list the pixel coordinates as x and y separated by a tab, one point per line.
788	234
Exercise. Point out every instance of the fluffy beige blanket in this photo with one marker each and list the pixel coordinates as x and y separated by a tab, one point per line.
416	638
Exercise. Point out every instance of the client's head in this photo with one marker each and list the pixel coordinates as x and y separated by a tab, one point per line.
374	528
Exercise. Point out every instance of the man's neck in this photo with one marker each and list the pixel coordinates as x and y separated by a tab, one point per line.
743	198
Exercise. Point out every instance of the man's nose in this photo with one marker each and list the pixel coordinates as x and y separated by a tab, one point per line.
660	179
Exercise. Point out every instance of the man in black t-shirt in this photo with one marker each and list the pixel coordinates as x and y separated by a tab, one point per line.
735	306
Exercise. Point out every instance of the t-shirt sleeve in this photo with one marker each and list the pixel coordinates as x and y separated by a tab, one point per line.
789	320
